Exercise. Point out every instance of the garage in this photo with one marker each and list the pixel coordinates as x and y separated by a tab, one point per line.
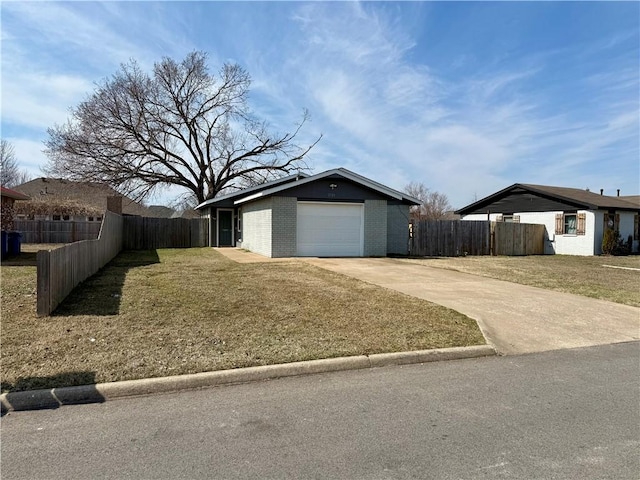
330	229
336	213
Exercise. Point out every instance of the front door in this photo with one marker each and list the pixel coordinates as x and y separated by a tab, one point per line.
225	228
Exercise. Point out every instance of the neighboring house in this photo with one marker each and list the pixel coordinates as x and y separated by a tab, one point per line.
64	200
8	198
336	213
575	219
187	213
160	211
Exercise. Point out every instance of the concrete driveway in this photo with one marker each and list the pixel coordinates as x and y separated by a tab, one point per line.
514	318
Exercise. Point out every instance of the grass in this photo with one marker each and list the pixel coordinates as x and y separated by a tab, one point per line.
171	312
565	273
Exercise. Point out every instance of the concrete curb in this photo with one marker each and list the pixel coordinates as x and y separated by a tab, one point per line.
101	392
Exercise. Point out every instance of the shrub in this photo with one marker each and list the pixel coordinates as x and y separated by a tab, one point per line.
610	241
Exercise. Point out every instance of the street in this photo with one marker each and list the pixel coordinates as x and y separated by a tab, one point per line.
566	414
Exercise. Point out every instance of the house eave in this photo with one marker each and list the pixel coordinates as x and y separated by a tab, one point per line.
543	193
288	179
354	177
7	192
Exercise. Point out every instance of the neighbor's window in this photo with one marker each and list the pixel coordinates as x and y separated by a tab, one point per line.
56	217
65	217
570	224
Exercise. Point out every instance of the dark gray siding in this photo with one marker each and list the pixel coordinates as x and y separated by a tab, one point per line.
344	191
523	202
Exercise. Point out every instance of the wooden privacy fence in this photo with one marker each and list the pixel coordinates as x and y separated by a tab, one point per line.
49	231
62	269
518	238
144	233
452	238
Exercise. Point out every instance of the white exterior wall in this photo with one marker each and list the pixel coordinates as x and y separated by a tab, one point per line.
481	217
565	244
560	244
256	227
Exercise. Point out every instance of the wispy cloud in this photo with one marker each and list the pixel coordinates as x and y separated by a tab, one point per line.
54	53
460	135
390	104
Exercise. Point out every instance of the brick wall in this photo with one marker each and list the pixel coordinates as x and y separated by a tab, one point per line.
257	225
283	224
397	229
375	228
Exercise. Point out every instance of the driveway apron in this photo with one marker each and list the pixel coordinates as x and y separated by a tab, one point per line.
513	318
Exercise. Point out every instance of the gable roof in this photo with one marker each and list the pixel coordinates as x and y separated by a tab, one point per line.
90	194
7	192
255	188
160	211
343	172
632	199
271	188
583	199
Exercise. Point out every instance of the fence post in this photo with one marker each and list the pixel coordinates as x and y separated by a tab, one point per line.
492	238
43	289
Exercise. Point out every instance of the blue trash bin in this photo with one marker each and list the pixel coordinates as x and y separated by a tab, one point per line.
4	247
15	240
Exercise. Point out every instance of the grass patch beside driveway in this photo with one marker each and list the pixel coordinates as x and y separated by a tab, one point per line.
170	312
565	273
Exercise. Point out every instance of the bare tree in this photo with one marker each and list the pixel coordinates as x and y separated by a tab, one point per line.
179	125
434	206
23	177
8	164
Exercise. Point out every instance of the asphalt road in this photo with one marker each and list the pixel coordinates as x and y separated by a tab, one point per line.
569	414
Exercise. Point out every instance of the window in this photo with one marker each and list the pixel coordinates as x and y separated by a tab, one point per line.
65	217
570	224
636	226
612	220
56	218
508	218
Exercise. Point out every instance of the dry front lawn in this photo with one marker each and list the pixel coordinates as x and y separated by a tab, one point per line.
170	312
586	276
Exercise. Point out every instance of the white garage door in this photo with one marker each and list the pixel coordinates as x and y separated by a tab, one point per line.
330	229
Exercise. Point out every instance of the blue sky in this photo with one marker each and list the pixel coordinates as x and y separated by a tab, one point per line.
466	97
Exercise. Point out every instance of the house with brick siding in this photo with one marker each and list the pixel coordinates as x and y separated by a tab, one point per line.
336	213
57	199
575	219
8	198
